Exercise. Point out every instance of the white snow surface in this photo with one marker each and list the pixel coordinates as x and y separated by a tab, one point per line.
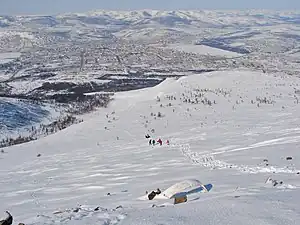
7	57
223	144
203	50
25	86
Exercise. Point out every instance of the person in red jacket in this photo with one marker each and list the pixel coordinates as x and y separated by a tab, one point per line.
167	142
159	141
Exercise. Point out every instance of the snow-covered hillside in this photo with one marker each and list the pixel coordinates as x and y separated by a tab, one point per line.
232	129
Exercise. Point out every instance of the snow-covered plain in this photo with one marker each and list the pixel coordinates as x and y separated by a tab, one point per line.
8	57
224	144
204	50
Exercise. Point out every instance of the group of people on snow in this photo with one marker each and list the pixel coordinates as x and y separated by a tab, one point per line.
153	142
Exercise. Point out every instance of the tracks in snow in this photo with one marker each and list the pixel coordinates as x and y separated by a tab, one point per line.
278	141
209	161
82	215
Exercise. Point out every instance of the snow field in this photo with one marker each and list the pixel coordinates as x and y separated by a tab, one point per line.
8	57
204	50
223	140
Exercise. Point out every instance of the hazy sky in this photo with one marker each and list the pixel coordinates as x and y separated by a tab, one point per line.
59	6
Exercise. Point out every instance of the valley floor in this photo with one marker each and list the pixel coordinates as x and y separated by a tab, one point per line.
232	129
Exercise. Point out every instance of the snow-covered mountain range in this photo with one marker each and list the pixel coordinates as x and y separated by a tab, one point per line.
128	23
167	18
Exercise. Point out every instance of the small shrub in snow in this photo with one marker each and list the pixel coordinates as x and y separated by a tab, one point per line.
264	100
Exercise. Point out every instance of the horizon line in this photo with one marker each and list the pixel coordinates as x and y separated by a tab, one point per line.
149	9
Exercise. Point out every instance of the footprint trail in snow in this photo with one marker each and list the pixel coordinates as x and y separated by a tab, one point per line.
208	160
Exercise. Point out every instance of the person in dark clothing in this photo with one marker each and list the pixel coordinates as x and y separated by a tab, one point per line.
150	142
153	142
153	194
158	191
8	220
147	136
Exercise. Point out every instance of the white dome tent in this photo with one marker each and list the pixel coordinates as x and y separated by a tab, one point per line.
185	187
180	190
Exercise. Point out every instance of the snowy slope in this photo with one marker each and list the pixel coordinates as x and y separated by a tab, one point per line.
17	117
252	117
